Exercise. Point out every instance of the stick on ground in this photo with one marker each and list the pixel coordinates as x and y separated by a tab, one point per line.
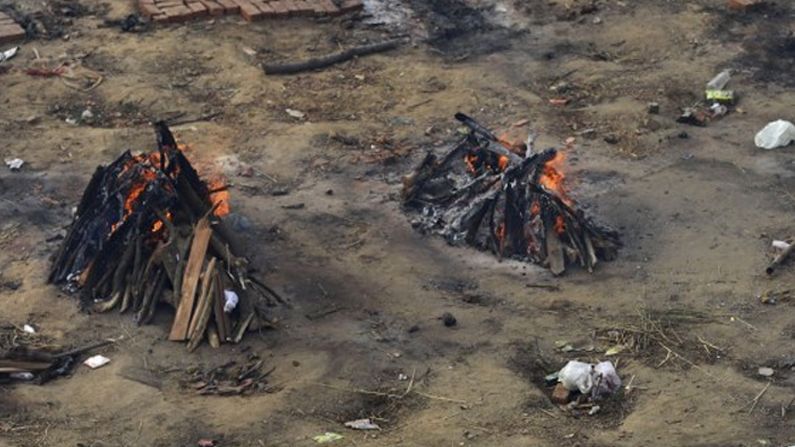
331	59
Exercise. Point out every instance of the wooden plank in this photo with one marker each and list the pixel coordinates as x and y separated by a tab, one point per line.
205	295
24	365
190	279
557	264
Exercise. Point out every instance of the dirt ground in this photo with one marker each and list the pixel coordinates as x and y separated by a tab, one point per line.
697	209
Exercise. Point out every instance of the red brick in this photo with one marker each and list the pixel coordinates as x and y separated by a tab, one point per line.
213	8
745	5
230	6
266	9
178	14
11	33
304	8
291	7
351	5
326	7
149	9
198	9
280	8
250	12
560	395
162	4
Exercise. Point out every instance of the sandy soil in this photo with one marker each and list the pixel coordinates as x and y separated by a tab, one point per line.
697	215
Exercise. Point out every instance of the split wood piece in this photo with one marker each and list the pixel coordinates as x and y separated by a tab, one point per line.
212	336
557	263
207	280
331	59
204	307
190	279
23	365
222	322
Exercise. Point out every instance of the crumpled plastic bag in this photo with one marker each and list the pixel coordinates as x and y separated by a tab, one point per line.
577	376
776	134
605	380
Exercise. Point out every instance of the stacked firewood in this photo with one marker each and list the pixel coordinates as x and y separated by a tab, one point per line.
507	199
148	231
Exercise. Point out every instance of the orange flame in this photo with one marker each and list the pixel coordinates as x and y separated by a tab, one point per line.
500	233
471	160
560	225
219	196
503	162
552	176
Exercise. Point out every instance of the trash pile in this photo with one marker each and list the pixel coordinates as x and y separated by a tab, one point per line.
27	356
580	386
718	101
232	378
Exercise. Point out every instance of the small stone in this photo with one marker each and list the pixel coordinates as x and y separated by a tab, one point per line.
611	139
560	395
448	319
766	372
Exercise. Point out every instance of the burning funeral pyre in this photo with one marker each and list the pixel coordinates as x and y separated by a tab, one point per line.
148	230
507	199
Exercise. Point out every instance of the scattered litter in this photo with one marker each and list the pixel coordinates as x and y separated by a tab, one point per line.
773	297
776	134
615	350
780	245
402	377
720	80
720	96
14	164
362	424
448	319
577	376
654	108
21	375
693	116
595	409
87	114
206	443
582	384
96	361
29	329
606	380
249	51
327	437
296	113
718	110
558	101
766	372
8	54
230	300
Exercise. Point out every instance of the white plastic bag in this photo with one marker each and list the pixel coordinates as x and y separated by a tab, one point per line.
230	300
605	380
776	134
577	376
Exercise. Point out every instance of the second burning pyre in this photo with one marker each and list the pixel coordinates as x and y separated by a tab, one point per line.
505	199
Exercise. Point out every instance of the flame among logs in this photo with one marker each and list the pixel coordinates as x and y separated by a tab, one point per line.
483	193
148	230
